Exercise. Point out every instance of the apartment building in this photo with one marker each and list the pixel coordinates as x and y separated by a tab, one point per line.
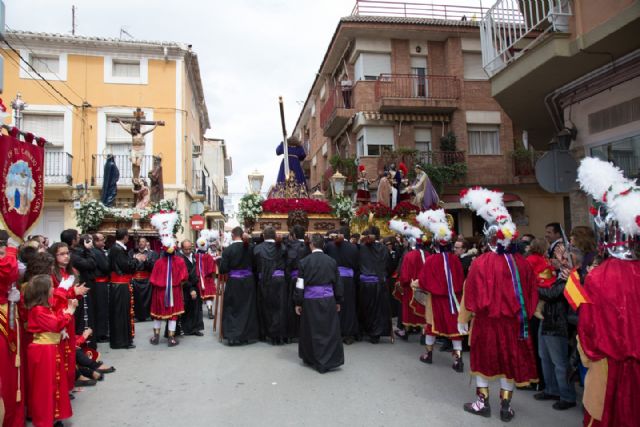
96	80
214	152
398	84
568	71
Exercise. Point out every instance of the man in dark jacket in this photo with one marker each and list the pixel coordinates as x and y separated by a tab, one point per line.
101	292
83	261
191	321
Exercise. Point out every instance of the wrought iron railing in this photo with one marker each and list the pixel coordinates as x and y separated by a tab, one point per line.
417	87
511	27
57	167
449	12
123	162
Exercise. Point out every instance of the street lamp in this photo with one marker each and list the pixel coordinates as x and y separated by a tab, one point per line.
255	181
18	106
337	184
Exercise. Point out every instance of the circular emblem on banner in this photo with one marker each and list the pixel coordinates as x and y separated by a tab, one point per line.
20	190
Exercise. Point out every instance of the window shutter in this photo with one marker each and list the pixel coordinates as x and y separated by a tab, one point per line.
48	126
473	66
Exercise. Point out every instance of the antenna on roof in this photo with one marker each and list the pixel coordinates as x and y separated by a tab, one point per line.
73	20
125	32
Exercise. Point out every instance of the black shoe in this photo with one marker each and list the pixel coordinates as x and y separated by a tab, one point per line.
506	411
348	340
173	342
198	334
484	412
544	396
102	340
106	371
155	339
130	346
233	343
458	365
89	383
71	396
562	405
374	340
58	424
427	357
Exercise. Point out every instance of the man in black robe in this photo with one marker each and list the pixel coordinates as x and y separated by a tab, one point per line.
83	261
101	293
296	250
121	327
345	254
110	181
270	263
140	281
318	296
239	318
373	296
191	321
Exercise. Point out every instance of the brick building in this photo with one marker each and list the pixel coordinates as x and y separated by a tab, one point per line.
392	87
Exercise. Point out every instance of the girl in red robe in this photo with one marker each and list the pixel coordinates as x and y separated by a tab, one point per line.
48	399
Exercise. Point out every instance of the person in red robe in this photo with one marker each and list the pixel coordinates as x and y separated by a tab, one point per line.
48	401
609	305
502	294
11	365
442	277
205	271
167	277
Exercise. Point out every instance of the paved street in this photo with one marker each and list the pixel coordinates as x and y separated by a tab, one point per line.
203	383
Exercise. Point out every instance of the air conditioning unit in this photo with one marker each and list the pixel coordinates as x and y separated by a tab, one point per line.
196	150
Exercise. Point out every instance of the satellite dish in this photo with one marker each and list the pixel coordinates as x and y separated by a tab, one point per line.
557	171
196	208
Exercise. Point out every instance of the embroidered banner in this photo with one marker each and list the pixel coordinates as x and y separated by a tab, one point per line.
22	190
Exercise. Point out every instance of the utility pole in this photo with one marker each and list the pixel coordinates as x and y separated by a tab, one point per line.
18	106
73	20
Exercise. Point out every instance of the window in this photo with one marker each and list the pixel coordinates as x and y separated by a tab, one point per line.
419	69
484	139
473	66
373	140
123	68
45	63
423	144
369	66
118	140
624	153
48	126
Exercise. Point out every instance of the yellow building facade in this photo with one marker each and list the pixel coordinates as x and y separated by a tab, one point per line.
74	86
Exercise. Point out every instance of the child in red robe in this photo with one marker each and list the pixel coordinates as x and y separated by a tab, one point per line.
205	271
543	270
48	399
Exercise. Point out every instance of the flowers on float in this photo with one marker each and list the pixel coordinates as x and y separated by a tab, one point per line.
342	207
250	206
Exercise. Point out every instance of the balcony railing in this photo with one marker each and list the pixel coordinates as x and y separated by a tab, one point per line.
123	162
338	98
417	87
417	10
511	27
198	181
57	167
445	158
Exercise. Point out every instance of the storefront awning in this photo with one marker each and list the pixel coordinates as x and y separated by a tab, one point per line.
405	117
452	201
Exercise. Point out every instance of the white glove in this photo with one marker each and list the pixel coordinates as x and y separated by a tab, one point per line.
64	334
67	283
13	243
463	328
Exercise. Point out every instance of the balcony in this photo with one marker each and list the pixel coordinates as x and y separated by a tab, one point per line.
337	111
399	93
123	162
198	182
57	167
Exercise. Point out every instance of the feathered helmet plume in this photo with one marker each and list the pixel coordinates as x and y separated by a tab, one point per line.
617	200
164	221
405	229
489	205
207	239
436	222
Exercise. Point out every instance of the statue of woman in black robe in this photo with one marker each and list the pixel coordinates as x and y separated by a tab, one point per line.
110	181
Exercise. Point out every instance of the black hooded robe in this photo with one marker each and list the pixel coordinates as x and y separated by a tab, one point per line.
270	261
373	295
346	255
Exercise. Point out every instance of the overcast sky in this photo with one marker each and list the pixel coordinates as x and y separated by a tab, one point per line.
250	52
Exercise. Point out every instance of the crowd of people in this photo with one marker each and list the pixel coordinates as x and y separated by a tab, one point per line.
517	294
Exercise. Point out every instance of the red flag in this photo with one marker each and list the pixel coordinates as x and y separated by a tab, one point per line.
574	292
22	189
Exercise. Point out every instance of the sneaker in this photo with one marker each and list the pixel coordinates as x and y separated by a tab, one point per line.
544	396
562	405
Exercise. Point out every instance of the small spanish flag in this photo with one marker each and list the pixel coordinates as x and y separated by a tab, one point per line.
574	292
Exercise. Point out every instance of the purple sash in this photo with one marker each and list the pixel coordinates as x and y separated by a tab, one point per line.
318	291
294	274
240	274
278	273
345	272
366	278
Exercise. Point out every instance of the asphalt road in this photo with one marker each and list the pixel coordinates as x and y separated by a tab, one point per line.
204	383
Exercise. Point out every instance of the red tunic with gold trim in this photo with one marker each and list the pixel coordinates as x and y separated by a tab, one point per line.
497	337
59	302
12	376
433	279
205	271
48	398
608	329
412	311
168	304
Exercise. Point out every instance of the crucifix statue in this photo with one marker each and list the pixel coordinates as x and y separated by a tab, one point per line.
133	128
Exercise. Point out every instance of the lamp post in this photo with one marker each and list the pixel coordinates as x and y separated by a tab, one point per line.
18	106
255	182
337	184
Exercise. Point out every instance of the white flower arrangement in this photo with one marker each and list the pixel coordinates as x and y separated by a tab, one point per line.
343	207
250	206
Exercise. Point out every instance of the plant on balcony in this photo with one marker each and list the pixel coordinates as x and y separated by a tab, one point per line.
448	142
523	159
343	207
250	207
90	215
445	174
